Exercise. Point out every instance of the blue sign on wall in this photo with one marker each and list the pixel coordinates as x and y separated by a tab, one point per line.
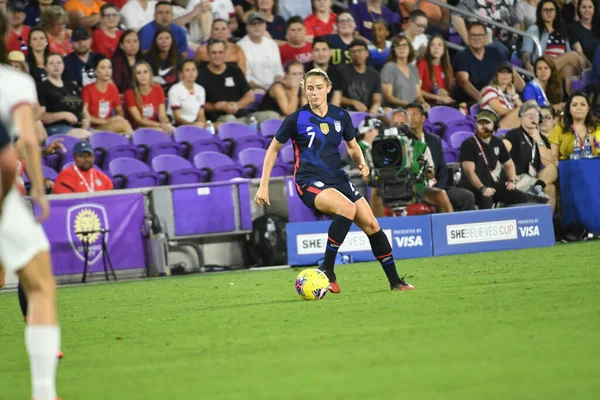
489	230
410	238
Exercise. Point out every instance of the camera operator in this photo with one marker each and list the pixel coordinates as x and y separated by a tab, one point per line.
482	158
461	199
432	195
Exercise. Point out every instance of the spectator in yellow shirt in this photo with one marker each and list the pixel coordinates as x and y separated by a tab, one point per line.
578	119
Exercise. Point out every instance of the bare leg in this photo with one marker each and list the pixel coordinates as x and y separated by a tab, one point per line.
439	198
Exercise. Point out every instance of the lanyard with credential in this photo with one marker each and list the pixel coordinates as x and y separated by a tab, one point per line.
533	146
89	188
482	153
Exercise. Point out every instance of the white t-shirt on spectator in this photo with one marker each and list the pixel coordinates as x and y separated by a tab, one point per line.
221	9
188	103
15	88
262	60
420	40
134	16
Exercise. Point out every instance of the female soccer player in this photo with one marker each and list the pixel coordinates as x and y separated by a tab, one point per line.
316	130
24	247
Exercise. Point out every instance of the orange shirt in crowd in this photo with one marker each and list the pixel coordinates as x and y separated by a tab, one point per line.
150	103
63	48
76	5
74	180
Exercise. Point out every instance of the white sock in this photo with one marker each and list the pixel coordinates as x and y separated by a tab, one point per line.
43	343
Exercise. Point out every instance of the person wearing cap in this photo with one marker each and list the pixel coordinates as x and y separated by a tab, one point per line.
79	65
19	33
17	61
487	169
361	89
501	97
163	18
81	176
532	154
263	59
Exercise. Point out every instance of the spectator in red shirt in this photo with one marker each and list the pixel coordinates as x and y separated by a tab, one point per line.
145	103
106	37
81	176
296	48
103	101
436	73
18	32
321	22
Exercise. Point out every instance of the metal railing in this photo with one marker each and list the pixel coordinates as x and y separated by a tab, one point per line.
487	21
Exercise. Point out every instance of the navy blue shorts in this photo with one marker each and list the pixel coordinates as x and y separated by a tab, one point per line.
308	191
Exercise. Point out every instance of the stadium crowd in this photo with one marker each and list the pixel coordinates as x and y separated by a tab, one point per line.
122	65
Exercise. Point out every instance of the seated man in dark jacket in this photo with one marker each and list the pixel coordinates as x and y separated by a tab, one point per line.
461	199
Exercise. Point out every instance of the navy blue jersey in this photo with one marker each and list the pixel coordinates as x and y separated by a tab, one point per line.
316	141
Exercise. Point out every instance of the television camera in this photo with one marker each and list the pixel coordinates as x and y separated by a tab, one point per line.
399	164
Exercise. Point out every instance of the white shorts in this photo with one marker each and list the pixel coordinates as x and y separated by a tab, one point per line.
21	237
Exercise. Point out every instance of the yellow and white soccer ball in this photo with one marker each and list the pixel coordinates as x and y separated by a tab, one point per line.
312	284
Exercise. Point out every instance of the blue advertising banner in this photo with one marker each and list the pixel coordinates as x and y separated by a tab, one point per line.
121	215
490	230
410	238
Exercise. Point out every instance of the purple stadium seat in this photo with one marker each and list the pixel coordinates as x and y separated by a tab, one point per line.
57	160
109	146
252	161
451	155
474	109
269	127
458	137
154	143
578	83
286	155
131	173
465	124
49	173
440	117
501	132
218	166
196	140
176	170
357	117
237	137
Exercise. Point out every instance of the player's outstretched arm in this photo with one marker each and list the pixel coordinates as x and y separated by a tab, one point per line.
355	152
262	196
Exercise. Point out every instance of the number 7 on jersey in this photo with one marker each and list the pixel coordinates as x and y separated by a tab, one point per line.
312	137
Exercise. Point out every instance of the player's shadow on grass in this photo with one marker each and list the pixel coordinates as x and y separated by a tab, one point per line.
261	303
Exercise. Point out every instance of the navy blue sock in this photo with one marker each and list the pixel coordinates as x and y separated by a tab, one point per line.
22	300
383	253
337	233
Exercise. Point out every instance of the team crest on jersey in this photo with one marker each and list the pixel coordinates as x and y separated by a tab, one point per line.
319	184
496	150
338	126
324	128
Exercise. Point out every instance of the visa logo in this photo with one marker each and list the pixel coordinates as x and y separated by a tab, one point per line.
409	241
528	231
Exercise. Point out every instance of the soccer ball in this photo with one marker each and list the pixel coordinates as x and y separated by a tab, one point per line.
312	284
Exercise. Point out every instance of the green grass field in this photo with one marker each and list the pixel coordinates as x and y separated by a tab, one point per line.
503	325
